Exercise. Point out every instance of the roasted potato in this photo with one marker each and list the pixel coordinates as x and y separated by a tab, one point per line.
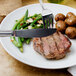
70	14
71	32
61	26
70	21
59	16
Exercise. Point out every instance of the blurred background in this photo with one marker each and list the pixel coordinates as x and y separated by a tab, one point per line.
6	6
71	3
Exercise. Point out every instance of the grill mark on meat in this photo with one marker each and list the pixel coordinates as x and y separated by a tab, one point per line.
58	43
38	45
65	41
45	47
61	40
59	55
53	47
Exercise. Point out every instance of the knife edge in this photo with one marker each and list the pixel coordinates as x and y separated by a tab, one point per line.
31	33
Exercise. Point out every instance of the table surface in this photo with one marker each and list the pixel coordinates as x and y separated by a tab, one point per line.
10	66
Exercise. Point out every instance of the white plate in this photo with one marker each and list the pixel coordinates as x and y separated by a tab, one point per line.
29	56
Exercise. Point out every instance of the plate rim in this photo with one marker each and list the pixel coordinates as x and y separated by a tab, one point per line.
21	60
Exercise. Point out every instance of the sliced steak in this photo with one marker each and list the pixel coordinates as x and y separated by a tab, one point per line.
65	41
52	47
58	43
46	47
48	43
37	44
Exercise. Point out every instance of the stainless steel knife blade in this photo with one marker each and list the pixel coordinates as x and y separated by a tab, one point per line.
31	33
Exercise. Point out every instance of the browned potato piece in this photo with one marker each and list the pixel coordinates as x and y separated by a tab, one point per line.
70	14
59	16
61	26
70	21
71	32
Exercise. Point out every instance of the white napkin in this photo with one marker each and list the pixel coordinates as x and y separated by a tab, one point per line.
72	70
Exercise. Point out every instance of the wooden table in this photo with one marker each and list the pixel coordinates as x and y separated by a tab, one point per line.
10	66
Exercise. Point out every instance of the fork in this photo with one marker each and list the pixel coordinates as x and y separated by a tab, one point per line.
47	16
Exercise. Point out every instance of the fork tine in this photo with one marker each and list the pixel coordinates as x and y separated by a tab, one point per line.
47	20
52	23
47	23
43	22
52	19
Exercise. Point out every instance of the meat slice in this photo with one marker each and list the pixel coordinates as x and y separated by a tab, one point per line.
58	43
48	43
65	41
52	47
46	47
38	45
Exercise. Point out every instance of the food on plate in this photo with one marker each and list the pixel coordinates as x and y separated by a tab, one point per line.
55	46
70	21
51	47
59	16
60	25
71	32
68	25
70	14
26	22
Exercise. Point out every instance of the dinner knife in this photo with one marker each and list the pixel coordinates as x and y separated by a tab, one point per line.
29	33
